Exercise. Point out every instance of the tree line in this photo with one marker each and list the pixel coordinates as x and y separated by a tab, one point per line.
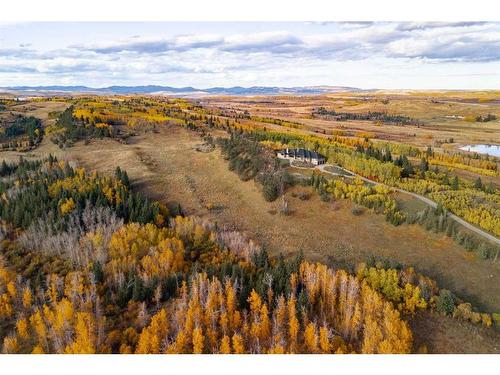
250	160
368	116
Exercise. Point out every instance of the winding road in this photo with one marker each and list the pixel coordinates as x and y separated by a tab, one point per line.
426	200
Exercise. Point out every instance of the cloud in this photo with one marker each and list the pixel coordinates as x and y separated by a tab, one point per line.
473	42
313	47
456	50
13	68
153	45
470	41
411	26
271	42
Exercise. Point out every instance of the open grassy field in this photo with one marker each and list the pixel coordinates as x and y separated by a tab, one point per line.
443	334
44	110
444	115
166	166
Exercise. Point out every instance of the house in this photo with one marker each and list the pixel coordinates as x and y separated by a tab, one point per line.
303	155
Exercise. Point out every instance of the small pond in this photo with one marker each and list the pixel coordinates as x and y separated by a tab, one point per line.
492	150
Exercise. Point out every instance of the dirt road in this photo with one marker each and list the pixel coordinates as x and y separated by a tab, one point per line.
426	200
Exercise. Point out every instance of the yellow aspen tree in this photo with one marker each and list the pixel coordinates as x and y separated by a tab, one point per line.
397	336
125	349
6	309
84	335
199	235
53	282
255	327
406	339
265	324
486	319
179	345
27	297
277	349
11	289
225	345
311	338
10	345
198	340
67	206
237	320
230	302
144	345
63	316
154	343
130	336
159	219
152	336
372	336
37	323
413	299
254	334
255	303
189	323
356	321
238	345
48	314
37	350
22	328
293	324
324	341
224	322
213	338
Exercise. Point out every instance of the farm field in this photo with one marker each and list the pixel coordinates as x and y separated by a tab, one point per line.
167	164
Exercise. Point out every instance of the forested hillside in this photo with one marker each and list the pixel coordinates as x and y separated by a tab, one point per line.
89	266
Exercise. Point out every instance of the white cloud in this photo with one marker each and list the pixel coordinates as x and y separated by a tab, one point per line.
215	58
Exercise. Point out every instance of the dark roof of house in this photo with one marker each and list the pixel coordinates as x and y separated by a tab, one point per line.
301	153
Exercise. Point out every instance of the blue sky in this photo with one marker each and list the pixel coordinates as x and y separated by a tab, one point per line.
392	55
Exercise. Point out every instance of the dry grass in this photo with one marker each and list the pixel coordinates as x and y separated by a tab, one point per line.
40	110
443	334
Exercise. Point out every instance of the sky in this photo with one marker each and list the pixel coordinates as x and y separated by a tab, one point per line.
384	55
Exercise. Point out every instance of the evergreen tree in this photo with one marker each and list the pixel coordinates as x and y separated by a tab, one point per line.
478	184
424	165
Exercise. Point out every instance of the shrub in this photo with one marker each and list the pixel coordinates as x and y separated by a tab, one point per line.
324	196
482	251
270	189
356	211
496	318
486	319
445	302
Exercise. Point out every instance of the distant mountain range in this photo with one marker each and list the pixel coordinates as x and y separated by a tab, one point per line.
179	91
